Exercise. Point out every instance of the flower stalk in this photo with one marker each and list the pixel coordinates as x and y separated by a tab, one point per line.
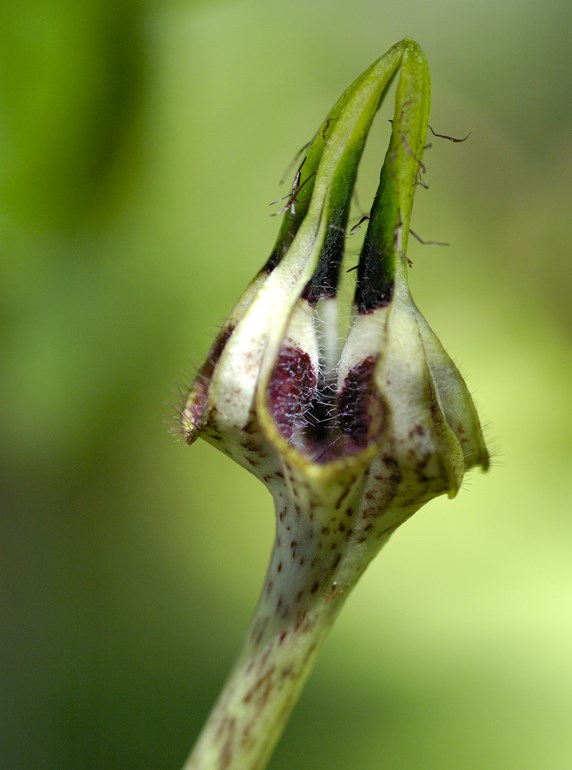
351	437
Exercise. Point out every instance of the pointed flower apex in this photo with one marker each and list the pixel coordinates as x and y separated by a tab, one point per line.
306	400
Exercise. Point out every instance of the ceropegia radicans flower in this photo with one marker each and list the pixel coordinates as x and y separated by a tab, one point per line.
351	437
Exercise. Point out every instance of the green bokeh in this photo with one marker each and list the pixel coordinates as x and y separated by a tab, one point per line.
140	145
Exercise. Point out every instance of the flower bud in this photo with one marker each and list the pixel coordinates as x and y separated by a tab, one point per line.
278	392
352	424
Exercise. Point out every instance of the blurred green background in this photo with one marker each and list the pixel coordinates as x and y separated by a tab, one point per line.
140	145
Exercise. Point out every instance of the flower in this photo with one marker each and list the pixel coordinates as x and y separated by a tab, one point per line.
353	416
278	392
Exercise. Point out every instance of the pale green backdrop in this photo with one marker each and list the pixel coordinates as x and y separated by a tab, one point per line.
140	146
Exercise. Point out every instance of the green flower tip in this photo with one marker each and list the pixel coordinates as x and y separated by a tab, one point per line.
384	407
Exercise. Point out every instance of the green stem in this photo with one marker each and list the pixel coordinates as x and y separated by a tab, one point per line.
255	704
307	581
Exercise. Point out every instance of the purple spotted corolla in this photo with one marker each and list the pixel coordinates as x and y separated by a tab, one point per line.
352	437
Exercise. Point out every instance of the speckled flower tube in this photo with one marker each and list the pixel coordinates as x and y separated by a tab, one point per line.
351	437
